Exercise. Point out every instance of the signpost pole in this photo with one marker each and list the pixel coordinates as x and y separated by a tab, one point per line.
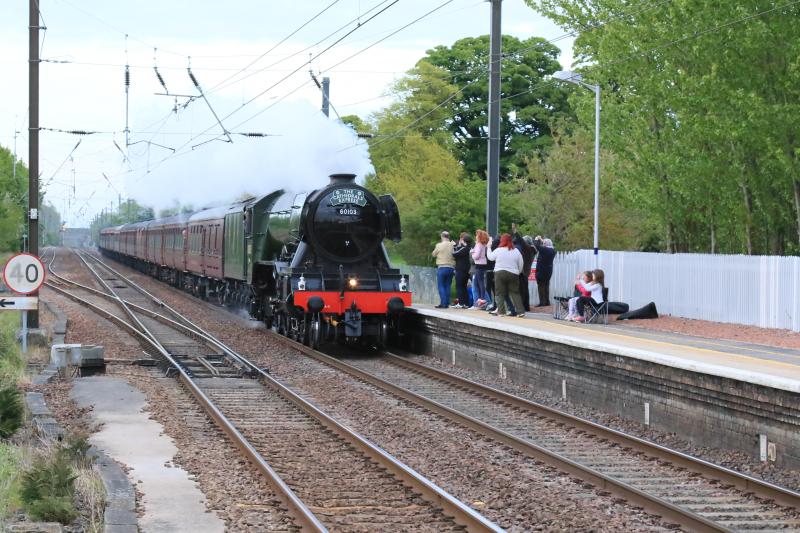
24	332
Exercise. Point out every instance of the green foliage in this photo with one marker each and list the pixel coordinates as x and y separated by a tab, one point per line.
356	123
75	450
703	131
425	161
11	368
129	211
453	207
10	459
49	225
529	107
47	489
559	195
12	200
11	363
11	410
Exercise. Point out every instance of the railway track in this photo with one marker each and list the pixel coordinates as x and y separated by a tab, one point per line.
327	476
684	490
692	493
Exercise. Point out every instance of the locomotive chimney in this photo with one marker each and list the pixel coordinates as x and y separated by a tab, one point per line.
342	179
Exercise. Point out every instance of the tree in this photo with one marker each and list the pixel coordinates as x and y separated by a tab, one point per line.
49	224
559	197
130	211
697	105
13	200
529	105
454	207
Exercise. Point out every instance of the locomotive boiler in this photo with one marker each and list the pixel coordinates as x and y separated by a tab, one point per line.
312	266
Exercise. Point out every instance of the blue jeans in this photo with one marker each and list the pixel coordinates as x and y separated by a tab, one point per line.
479	285
444	279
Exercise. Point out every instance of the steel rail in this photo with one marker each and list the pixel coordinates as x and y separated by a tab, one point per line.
159	302
304	518
460	512
188	327
744	482
649	502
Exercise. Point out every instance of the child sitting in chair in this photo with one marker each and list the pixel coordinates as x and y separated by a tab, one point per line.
580	290
595	287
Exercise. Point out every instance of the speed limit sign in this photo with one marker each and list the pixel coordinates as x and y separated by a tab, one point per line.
24	273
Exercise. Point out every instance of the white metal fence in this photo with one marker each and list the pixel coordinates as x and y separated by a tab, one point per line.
755	290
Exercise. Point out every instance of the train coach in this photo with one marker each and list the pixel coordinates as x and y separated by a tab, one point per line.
312	266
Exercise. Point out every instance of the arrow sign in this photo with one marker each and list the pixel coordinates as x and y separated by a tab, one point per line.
19	303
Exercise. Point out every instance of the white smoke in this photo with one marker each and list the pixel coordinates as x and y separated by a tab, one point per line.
306	147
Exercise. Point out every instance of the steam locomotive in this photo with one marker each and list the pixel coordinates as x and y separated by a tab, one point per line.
312	266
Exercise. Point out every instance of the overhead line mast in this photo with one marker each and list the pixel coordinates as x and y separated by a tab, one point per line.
493	156
33	140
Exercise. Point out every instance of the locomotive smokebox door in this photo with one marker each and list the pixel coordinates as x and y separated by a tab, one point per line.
352	323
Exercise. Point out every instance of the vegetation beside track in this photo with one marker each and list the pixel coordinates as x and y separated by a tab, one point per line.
52	482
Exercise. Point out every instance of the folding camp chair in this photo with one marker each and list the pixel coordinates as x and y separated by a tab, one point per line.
560	307
593	313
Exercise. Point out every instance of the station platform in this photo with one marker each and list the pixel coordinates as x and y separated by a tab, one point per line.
719	393
758	364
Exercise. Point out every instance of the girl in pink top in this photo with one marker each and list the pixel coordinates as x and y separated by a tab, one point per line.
479	274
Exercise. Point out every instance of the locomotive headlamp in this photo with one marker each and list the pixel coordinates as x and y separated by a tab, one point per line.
352	283
403	284
301	283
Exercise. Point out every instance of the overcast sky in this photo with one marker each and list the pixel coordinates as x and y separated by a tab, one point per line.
87	92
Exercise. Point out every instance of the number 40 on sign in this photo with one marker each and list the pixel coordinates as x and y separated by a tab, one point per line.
24	273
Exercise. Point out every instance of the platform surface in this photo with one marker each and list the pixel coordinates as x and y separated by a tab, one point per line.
171	499
762	365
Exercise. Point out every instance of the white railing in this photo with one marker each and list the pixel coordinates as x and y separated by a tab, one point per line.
754	290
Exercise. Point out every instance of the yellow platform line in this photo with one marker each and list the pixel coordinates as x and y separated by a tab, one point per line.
714	352
710	342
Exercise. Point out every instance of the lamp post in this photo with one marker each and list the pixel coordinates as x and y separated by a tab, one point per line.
577	79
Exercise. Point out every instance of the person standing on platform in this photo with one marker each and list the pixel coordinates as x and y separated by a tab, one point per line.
526	251
507	266
461	254
479	276
494	242
546	254
445	268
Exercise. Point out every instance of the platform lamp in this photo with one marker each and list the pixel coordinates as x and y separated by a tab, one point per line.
577	79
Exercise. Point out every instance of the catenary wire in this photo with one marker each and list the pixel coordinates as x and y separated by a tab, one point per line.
673	42
307	48
272	48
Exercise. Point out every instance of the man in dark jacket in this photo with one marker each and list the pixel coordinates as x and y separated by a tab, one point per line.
546	253
461	255
527	259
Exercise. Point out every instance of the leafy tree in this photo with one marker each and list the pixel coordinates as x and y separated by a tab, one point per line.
359	125
49	224
11	410
12	200
559	198
455	207
697	100
130	211
529	105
